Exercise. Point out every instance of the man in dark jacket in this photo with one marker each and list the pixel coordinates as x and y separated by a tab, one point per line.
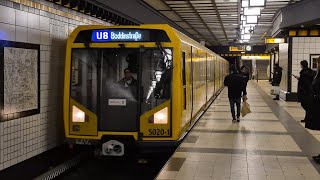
129	83
305	88
277	75
245	74
236	85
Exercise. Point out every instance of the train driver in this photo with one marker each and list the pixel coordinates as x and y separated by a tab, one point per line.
129	82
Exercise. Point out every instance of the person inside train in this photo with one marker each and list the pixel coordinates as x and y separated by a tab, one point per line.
245	74
305	88
129	82
277	75
236	85
314	122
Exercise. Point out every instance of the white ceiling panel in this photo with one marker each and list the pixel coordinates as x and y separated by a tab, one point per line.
216	21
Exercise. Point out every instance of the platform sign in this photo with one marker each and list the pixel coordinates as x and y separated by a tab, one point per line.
236	49
274	40
118	35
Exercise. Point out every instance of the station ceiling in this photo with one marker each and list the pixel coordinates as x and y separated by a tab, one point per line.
216	21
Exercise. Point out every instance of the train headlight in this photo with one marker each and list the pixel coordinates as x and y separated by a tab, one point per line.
78	115
161	117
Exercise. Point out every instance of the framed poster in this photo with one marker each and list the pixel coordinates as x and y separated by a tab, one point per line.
313	61
20	80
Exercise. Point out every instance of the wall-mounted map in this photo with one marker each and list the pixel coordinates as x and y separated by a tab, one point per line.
20	80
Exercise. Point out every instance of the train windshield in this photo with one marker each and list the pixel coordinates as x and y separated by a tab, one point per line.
120	84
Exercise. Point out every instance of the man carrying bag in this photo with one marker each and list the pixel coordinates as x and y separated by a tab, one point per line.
236	85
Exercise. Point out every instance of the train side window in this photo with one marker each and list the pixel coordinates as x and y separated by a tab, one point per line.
184	79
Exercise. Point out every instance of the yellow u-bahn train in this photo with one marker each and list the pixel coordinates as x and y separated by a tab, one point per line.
144	84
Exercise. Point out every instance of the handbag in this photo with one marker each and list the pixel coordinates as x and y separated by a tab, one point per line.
275	90
245	109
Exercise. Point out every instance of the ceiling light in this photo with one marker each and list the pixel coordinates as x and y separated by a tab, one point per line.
246	30
246	36
252	20
257	3
252	11
246	40
245	3
243	18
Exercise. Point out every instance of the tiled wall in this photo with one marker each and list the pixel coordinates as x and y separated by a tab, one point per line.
47	24
302	47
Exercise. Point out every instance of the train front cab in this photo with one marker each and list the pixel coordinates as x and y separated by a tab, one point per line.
98	105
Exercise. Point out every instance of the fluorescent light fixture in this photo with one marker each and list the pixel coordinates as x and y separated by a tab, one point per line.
252	20
252	11
257	3
243	18
246	36
246	40
245	3
246	30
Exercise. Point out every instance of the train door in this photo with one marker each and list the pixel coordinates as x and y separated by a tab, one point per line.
119	90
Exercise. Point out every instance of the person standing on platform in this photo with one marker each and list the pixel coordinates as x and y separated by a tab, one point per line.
277	75
305	88
235	83
314	122
245	75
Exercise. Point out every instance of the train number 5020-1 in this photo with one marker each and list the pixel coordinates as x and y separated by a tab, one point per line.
158	132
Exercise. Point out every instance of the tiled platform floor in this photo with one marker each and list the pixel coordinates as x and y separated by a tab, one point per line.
268	144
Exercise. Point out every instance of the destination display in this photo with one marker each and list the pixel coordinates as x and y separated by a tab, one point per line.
122	35
118	35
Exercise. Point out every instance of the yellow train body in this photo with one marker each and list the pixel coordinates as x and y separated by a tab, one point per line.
197	77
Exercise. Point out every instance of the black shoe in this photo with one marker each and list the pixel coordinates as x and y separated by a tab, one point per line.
276	99
238	119
303	121
316	159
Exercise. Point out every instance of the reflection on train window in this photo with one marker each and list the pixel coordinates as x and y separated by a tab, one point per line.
156	77
84	77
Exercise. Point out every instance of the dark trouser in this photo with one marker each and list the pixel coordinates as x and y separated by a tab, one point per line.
236	101
307	107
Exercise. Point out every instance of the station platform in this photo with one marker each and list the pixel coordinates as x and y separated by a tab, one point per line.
268	144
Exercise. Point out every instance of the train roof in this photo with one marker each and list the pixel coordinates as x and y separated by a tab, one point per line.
182	37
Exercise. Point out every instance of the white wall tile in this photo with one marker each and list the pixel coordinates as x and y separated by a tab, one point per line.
33	36
44	23
301	39
21	18
7	32
295	40
317	39
7	15
33	21
45	38
307	39
21	34
312	45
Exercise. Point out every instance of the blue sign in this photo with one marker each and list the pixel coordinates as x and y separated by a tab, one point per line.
115	35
